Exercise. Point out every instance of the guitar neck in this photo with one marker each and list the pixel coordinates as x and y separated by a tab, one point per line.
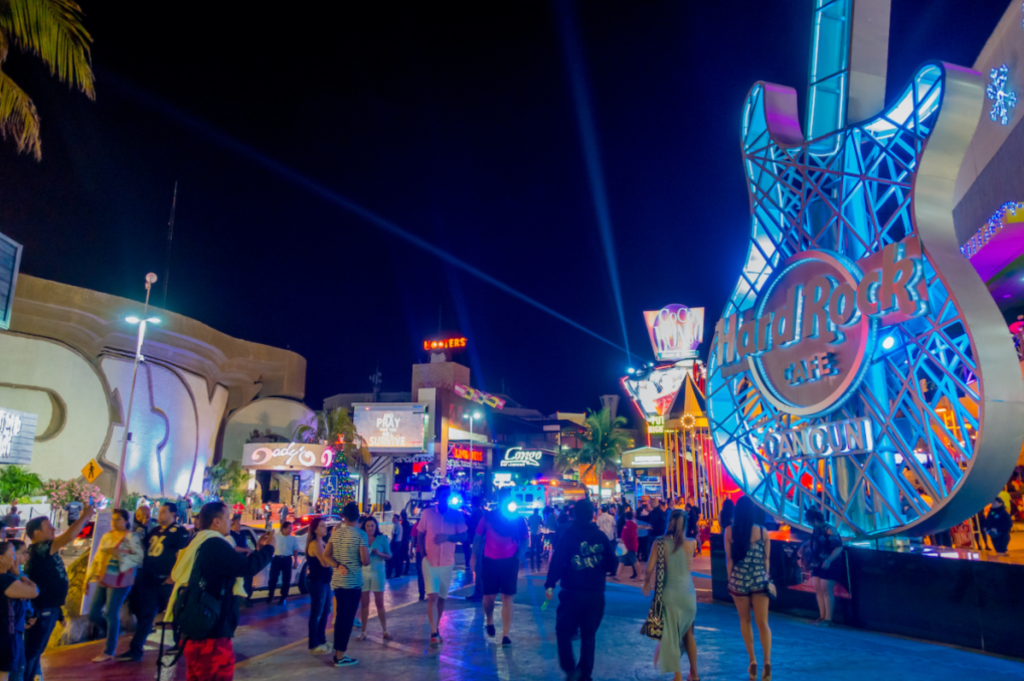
848	60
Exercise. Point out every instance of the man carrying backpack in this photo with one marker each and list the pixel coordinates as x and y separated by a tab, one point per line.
207	617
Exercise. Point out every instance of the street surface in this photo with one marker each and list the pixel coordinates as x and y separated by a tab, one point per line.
270	645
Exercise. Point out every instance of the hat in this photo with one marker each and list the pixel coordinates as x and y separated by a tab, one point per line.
1004	496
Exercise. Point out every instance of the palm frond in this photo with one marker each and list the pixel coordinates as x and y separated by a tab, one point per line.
18	117
53	31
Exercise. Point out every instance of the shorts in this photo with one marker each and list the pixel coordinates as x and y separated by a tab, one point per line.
629	558
436	580
374	578
500	576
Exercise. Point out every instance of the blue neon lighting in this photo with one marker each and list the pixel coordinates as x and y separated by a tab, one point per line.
1004	99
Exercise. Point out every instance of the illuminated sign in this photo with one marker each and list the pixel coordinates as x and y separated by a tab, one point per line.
517	457
676	331
646	457
290	456
830	438
10	261
17	435
655	394
453	344
503	480
806	338
656	425
462	453
478	396
389	428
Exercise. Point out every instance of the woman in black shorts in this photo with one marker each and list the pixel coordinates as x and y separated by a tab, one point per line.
504	536
827	566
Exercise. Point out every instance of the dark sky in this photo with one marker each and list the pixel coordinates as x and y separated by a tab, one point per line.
454	122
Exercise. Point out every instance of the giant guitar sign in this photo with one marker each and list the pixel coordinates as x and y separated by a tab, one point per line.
861	366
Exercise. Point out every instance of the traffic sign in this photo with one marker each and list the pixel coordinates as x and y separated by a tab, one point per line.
92	471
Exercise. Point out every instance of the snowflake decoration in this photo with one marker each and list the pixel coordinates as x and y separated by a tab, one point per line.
1004	99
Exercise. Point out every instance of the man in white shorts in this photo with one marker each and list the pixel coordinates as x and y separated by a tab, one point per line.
438	530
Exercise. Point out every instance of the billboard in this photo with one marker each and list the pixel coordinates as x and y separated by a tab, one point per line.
391	428
676	332
286	456
10	260
17	435
655	394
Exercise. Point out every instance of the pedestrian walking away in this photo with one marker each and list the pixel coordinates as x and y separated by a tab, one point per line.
406	542
580	562
347	554
825	550
374	576
110	577
441	528
153	584
220	572
535	523
631	544
15	592
503	536
286	556
46	569
747	553
395	563
675	596
319	582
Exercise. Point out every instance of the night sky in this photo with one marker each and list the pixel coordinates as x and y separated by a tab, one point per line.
453	122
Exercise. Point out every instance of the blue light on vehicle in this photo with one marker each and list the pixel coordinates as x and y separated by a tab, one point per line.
511	506
455	501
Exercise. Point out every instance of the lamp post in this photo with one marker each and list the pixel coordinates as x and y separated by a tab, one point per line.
471	418
150	280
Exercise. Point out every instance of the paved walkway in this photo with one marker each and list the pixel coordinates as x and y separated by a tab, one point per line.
271	646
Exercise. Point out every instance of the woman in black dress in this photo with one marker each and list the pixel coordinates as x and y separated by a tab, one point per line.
826	548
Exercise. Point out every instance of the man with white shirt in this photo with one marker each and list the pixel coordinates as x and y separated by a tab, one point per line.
286	557
606	523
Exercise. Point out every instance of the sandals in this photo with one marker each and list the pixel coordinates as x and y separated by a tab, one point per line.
752	671
766	675
386	636
362	636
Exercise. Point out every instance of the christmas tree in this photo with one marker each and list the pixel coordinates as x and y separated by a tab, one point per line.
336	485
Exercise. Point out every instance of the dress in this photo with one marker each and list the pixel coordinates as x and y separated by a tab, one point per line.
750	576
680	602
375	574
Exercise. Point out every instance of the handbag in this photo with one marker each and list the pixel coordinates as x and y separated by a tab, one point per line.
620	549
654	626
121	579
196	611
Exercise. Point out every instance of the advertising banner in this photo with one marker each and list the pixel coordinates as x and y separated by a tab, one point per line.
676	332
286	456
391	428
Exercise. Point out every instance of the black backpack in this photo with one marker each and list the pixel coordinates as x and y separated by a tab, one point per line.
196	611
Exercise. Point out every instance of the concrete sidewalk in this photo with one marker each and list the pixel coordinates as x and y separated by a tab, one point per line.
271	646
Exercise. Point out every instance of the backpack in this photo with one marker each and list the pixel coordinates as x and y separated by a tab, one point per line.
196	611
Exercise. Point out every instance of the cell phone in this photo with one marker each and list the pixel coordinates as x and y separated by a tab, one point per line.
90	500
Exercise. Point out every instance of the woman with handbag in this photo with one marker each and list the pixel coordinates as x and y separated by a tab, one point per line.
747	552
826	548
112	570
674	606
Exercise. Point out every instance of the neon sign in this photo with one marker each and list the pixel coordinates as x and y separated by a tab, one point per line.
292	455
462	453
676	331
655	394
478	396
517	457
834	438
445	344
655	425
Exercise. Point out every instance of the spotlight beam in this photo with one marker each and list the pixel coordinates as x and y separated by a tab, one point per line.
588	139
322	191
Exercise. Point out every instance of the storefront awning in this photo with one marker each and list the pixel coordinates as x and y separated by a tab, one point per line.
644	457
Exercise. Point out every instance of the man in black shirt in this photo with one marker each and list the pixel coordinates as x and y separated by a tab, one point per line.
243	545
219	566
45	567
582	558
153	584
657	519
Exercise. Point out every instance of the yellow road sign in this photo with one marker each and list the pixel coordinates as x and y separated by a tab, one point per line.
92	470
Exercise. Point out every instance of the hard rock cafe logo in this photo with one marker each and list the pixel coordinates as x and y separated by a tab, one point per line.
810	336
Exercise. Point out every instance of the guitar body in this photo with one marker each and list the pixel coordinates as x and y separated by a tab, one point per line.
861	365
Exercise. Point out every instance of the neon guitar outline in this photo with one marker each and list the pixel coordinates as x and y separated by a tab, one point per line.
941	386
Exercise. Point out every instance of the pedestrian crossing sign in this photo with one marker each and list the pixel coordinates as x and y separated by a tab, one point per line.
92	471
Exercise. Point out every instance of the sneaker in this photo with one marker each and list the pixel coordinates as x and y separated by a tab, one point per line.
506	641
319	650
345	661
490	630
435	640
102	658
128	657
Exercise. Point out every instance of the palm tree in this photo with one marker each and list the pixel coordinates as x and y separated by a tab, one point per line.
17	482
228	480
603	442
335	427
51	30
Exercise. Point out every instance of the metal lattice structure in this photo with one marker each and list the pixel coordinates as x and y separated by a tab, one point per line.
931	385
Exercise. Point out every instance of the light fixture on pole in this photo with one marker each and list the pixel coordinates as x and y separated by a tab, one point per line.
471	418
141	321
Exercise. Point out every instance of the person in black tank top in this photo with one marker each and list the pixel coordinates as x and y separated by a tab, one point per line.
319	582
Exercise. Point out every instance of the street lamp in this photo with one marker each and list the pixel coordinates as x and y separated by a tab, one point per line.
471	418
141	321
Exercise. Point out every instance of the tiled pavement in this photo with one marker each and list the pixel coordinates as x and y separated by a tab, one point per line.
271	646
